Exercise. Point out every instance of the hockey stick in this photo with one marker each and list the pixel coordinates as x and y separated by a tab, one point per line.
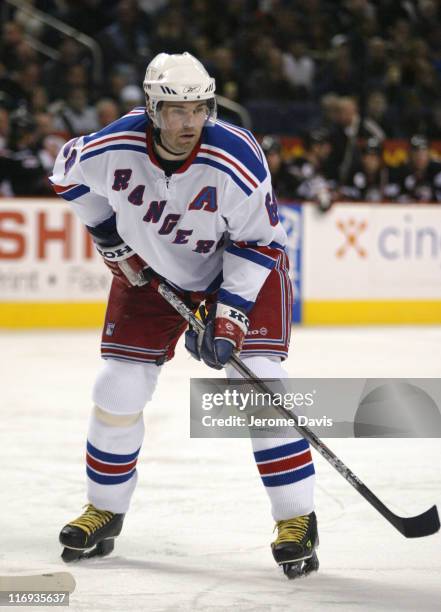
56	582
418	526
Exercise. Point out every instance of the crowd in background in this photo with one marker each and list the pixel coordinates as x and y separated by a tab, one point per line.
342	76
317	176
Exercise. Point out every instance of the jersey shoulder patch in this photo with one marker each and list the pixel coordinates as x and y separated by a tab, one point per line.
234	151
125	134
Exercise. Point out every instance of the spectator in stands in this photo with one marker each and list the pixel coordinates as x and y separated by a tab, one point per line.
413	115
76	117
299	67
118	78
312	171
11	38
428	83
393	87
428	13
340	75
270	81
12	94
420	179
413	56
228	81
47	141
39	101
378	112
78	77
55	72
318	33
29	78
377	63
44	125
50	147
387	55
345	137
329	110
421	86
21	170
14	91
171	32
401	36
107	111
131	96
126	41
368	181
283	178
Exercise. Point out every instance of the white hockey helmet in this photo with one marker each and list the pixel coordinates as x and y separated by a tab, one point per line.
179	77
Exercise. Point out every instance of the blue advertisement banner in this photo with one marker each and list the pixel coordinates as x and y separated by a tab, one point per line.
291	217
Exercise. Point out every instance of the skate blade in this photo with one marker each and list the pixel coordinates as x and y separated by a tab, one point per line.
102	549
299	569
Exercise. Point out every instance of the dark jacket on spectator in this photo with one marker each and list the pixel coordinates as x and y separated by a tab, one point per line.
423	187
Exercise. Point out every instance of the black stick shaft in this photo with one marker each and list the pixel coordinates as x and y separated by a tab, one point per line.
424	524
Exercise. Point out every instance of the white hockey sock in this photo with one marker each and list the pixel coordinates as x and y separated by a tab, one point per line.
112	453
285	464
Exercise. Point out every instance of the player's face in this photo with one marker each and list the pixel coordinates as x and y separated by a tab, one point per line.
181	124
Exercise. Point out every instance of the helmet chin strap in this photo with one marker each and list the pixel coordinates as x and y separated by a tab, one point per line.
157	139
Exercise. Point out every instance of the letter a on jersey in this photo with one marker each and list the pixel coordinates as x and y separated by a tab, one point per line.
205	200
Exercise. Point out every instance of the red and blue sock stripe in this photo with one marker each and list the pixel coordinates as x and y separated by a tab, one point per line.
110	468
283	465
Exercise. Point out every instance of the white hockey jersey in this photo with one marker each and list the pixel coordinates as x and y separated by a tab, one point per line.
212	224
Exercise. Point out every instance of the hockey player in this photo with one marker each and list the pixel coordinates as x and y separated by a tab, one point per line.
420	179
283	180
312	171
368	180
170	187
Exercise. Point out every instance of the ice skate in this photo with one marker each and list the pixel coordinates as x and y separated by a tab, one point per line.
294	547
91	534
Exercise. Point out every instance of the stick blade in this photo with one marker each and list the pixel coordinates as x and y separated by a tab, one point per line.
57	581
424	524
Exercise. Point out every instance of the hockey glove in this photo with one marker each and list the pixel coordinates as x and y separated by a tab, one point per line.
225	330
124	263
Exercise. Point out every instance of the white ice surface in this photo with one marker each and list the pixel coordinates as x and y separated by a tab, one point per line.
198	532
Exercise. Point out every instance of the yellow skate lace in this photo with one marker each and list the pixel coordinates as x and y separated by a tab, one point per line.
92	519
292	530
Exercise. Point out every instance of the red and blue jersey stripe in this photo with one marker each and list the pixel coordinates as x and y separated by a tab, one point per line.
124	134
233	151
71	192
